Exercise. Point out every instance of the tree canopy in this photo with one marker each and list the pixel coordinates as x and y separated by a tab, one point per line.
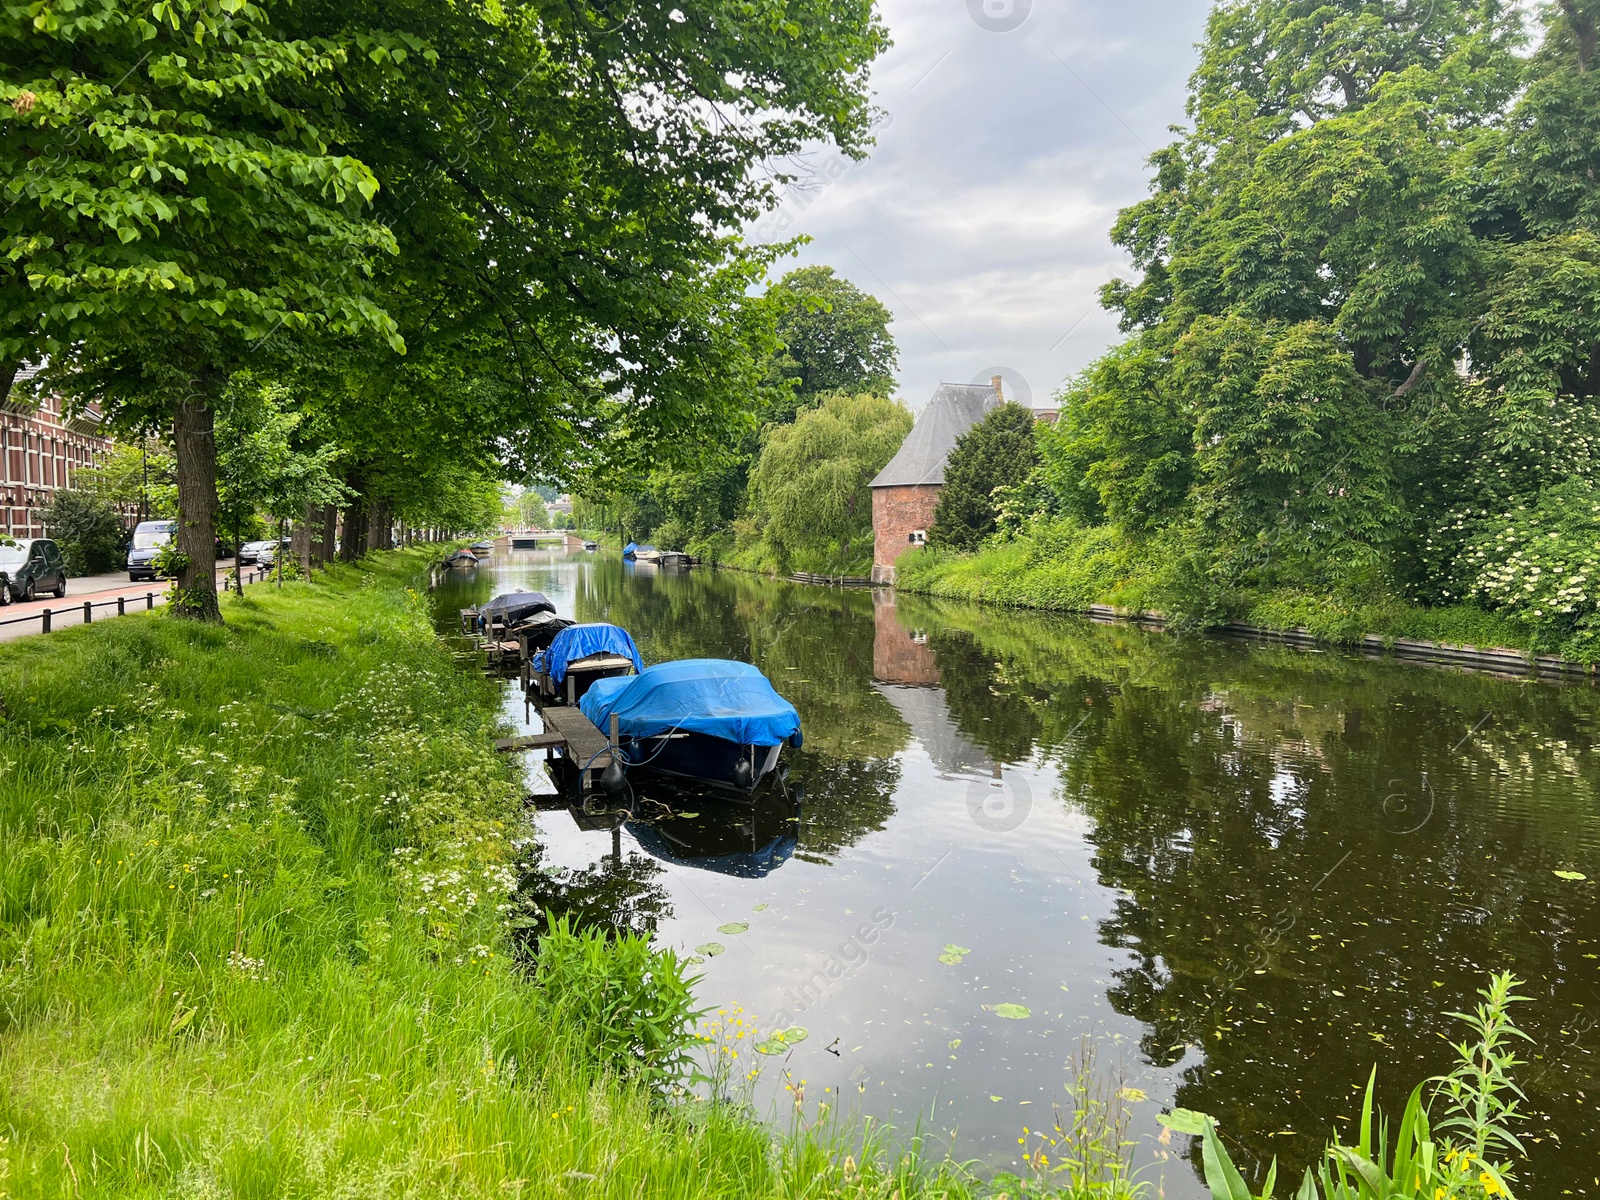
1365	315
494	239
809	500
832	336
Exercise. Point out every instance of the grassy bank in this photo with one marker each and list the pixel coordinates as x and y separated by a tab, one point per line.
1068	570
256	890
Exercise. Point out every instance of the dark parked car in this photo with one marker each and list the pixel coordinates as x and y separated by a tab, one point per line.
148	538
29	567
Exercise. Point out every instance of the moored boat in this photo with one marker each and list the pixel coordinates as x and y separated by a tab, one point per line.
505	612
579	656
706	719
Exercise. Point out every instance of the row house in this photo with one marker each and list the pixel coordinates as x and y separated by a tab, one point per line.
40	451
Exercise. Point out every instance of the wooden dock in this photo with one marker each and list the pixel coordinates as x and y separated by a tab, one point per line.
571	733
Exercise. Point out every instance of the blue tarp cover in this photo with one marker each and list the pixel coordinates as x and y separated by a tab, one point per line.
729	700
580	641
633	548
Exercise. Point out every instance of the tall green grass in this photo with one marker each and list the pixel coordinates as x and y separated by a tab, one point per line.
1061	567
253	938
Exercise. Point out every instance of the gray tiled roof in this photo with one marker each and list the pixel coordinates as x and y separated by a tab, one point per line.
954	409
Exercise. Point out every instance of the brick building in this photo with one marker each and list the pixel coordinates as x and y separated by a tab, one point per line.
905	492
40	451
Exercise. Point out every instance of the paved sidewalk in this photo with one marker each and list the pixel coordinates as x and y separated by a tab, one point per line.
102	591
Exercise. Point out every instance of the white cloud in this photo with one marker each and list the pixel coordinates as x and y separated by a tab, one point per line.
981	217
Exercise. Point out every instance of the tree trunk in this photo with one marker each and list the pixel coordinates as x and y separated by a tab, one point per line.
301	542
194	591
378	526
352	545
330	534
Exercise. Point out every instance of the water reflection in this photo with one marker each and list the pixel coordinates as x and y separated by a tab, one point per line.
1257	871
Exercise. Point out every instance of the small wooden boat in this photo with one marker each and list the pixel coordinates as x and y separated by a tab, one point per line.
482	549
461	559
578	657
705	719
591	545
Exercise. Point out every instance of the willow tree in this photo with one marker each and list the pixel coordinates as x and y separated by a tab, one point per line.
176	201
808	492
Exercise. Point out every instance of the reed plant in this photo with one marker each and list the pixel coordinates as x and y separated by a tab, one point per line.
1468	1154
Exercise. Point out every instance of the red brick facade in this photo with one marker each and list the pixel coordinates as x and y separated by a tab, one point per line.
38	454
899	516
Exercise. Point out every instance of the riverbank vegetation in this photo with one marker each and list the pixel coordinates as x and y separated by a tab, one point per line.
1363	358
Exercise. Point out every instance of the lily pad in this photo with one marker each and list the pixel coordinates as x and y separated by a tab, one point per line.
733	927
688	816
783	1039
1012	1012
694	960
1575	876
953	954
710	949
759	908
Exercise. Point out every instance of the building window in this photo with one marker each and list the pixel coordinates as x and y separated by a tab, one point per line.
917	537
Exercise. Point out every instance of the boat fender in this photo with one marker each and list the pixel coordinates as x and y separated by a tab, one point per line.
795	740
612	779
743	773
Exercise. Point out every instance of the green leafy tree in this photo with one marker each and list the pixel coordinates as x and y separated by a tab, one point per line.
809	494
136	477
176	199
1122	449
265	465
834	336
89	529
1000	451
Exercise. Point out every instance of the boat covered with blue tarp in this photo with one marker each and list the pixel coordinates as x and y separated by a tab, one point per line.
700	718
588	652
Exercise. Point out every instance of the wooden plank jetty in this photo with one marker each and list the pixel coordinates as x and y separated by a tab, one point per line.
571	733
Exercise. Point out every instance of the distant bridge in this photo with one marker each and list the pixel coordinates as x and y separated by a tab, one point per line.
533	539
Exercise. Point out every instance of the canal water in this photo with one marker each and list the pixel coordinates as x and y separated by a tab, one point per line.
1244	875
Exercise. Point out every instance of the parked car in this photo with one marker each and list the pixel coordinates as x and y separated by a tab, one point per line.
250	551
30	566
148	538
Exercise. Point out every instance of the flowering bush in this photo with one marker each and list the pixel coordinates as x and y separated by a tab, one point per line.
1539	561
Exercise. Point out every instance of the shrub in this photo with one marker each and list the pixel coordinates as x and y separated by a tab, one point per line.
630	1006
89	530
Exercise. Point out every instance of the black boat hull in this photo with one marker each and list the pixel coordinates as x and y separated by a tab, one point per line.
702	758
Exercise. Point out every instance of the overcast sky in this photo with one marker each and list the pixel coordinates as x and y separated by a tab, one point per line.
980	218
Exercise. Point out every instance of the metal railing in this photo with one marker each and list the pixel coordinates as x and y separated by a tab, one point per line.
46	616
